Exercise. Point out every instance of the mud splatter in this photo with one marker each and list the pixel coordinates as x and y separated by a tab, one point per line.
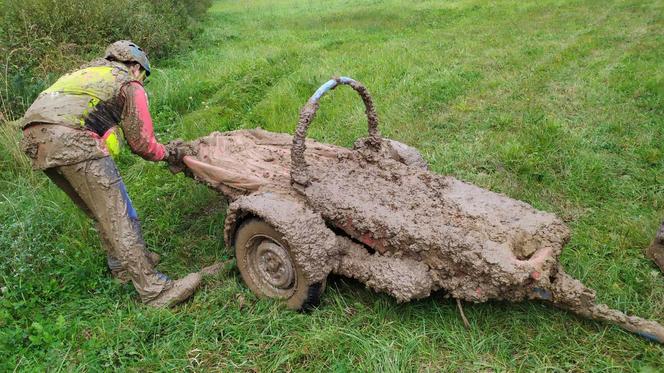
49	145
402	153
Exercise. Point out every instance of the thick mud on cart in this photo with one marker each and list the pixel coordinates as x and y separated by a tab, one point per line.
301	210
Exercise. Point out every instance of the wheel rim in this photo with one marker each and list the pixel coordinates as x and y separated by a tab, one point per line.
270	267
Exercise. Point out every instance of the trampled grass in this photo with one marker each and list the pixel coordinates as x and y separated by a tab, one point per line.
557	103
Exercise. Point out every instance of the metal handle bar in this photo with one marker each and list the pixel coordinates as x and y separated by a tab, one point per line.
298	164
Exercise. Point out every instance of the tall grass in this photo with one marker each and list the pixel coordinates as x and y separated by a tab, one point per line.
12	158
40	39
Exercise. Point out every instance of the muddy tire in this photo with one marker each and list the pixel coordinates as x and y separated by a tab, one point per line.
268	268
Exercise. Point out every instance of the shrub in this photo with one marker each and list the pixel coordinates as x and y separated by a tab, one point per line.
41	39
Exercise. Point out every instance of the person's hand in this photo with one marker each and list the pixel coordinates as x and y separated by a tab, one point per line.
176	151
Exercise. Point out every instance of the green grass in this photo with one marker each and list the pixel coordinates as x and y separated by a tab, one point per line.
557	103
42	39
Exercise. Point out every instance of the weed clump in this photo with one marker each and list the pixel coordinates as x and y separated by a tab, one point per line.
41	39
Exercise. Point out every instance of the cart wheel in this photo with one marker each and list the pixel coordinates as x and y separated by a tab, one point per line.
267	267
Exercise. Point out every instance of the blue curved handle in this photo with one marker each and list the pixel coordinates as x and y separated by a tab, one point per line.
307	114
330	85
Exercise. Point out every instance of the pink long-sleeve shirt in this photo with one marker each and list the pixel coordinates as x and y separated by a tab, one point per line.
137	124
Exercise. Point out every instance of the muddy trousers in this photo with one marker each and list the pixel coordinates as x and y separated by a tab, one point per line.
97	188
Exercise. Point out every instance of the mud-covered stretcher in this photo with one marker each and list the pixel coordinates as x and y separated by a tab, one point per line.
300	210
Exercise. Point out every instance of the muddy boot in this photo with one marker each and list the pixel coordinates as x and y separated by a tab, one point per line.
120	273
176	291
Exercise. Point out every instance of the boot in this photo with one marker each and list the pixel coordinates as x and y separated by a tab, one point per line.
176	291
121	274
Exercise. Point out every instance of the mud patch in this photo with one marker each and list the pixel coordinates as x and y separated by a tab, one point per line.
478	245
242	162
404	279
51	145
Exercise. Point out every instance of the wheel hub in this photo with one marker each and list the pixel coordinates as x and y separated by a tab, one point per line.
274	265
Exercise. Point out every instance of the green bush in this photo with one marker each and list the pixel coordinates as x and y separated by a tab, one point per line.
41	39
